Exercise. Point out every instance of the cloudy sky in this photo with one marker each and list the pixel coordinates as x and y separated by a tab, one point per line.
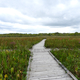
39	16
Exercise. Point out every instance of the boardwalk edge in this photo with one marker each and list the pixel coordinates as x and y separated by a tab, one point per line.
68	72
29	66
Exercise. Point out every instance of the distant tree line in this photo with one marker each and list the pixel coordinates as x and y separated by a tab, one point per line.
40	34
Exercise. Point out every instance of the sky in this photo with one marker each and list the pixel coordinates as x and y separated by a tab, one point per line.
39	16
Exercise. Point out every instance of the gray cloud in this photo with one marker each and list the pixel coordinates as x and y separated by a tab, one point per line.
51	13
8	27
63	23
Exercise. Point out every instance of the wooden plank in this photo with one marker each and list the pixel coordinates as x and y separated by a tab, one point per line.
44	66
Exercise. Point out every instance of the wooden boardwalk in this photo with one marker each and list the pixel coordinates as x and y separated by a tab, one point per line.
43	66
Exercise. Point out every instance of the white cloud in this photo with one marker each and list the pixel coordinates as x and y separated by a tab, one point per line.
9	11
74	3
34	16
61	6
14	15
61	29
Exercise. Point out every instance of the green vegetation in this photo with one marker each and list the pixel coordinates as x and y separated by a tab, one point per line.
69	58
14	56
17	42
14	52
40	34
63	42
68	52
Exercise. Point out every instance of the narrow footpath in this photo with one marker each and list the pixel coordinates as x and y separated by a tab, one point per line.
43	66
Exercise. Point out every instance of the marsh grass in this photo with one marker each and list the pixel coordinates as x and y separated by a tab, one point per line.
67	50
14	57
62	42
69	58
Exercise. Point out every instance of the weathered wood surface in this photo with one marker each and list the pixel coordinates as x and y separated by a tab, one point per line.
43	65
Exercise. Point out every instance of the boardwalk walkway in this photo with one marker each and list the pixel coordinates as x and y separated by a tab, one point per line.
44	67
